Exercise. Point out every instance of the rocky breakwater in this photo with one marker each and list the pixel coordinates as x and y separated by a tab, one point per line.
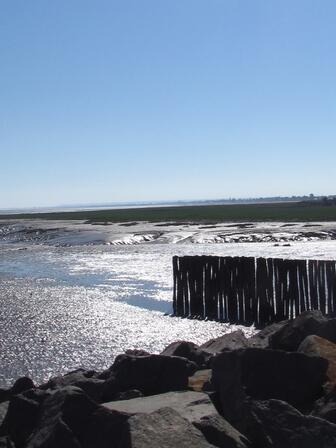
276	389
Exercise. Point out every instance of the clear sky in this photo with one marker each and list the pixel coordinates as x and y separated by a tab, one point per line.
106	100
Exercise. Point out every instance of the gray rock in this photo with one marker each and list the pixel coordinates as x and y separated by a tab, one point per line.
276	424
84	379
190	351
262	338
290	336
196	407
190	405
70	415
220	433
164	428
20	419
264	374
5	442
22	384
3	411
152	374
55	435
230	341
325	407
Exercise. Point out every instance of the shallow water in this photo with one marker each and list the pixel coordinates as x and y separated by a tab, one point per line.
66	307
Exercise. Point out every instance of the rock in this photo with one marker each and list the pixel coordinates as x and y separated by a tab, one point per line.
137	352
71	415
290	336
276	424
111	389
84	379
325	407
195	407
190	351
317	346
190	405
21	385
129	394
5	442
201	380
20	419
3	411
264	374
220	433
54	436
5	395
262	338
230	341
152	374
163	428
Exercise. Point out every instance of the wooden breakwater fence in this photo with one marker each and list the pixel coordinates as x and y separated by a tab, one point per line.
248	290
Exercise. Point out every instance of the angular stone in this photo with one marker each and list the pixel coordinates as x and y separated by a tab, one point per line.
5	442
3	411
152	374
190	351
276	424
54	436
164	428
264	374
317	346
190	405
71	414
230	341
325	407
201	380
262	338
195	407
220	433
22	384
290	336
20	419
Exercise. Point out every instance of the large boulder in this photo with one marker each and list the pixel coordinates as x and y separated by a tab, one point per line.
220	433
21	385
188	350
229	341
152	374
262	338
191	405
5	442
162	428
69	417
264	374
200	380
3	411
290	336
325	407
84	379
317	346
20	420
276	424
196	407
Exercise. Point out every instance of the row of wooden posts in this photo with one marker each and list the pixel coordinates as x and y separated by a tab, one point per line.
249	290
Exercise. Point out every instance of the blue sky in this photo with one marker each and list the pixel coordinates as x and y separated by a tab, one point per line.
129	100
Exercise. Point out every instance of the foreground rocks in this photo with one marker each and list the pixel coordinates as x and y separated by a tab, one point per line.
276	389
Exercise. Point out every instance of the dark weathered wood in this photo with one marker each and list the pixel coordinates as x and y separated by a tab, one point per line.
248	290
302	269
312	264
321	285
263	305
329	287
175	285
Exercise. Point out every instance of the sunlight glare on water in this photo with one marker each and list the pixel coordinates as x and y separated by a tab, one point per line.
69	307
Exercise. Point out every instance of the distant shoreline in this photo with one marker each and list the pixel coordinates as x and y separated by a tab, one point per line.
261	212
